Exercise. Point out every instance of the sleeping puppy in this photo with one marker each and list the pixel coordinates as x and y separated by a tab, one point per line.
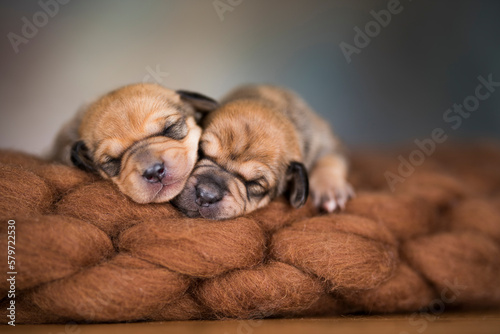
143	137
259	144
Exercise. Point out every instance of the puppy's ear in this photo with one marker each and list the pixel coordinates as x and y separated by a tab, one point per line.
299	184
80	157
203	104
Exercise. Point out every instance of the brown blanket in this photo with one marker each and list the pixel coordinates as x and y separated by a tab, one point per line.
85	253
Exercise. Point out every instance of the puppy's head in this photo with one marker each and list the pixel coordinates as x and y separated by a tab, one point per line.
144	138
248	156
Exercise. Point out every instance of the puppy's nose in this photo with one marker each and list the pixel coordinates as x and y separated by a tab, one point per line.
155	173
208	193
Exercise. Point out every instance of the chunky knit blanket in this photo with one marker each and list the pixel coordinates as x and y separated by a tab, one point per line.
422	234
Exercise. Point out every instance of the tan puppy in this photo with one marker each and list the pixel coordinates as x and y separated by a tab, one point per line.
143	137
261	142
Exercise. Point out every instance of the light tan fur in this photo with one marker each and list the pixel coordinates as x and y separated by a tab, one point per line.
248	145
124	128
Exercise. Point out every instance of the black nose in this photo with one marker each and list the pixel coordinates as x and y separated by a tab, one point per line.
208	193
155	173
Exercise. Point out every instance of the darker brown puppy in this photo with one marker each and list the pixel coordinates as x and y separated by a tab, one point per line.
143	137
259	144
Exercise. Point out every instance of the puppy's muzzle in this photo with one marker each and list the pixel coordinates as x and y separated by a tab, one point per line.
209	191
207	194
155	173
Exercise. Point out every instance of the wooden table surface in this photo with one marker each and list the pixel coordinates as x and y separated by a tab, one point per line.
455	323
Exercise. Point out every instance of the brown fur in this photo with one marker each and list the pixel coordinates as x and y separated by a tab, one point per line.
405	291
92	203
265	289
459	262
211	251
23	192
83	246
363	250
476	214
256	146
87	253
406	216
279	213
121	136
433	187
184	308
60	176
125	277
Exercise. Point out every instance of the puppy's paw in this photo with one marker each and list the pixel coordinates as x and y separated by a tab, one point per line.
328	185
330	195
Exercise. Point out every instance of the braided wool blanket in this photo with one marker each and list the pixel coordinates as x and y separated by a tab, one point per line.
85	253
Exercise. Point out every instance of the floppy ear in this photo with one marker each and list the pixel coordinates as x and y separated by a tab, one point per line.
299	184
199	101
80	157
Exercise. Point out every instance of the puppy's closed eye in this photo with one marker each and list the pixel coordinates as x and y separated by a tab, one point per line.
177	130
255	189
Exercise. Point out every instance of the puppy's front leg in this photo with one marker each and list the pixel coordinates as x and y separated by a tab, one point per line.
328	185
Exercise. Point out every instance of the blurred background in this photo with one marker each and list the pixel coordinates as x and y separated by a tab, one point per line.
391	86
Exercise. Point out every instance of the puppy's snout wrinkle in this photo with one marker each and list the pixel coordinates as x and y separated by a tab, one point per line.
155	173
208	193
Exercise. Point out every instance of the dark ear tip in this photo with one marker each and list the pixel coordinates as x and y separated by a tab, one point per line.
199	101
80	157
194	95
75	151
300	184
299	201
